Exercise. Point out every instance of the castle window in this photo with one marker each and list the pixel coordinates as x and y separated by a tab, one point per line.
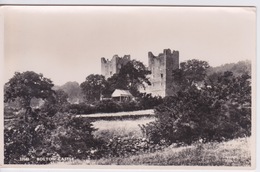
161	75
110	72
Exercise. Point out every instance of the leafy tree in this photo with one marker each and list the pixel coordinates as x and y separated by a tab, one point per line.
220	109
233	95
73	90
147	101
60	135
25	86
131	76
93	87
237	69
56	103
190	73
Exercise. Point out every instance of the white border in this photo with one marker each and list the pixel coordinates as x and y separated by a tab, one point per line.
151	2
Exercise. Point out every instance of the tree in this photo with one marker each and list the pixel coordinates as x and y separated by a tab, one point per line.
56	103
73	90
232	94
93	87
190	73
25	86
219	109
131	77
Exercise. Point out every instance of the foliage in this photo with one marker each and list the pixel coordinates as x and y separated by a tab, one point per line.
73	137
81	108
57	103
47	132
237	69
73	90
93	87
108	106
131	76
26	86
147	101
217	110
49	138
235	153
190	73
28	140
123	147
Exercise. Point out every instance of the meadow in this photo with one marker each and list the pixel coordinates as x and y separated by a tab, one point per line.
236	152
120	128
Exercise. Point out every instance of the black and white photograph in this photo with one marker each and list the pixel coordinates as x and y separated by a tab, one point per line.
136	86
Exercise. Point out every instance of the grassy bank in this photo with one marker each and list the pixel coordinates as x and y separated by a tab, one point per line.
232	153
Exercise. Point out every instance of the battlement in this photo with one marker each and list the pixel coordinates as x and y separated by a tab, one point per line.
161	68
166	52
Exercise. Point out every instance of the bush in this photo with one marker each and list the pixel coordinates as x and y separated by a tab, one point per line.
27	140
219	110
107	106
147	101
81	108
123	147
74	137
130	106
48	137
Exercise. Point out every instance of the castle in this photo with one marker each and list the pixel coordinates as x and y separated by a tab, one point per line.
161	68
113	66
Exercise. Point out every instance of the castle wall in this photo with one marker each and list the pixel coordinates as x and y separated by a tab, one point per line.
113	66
161	68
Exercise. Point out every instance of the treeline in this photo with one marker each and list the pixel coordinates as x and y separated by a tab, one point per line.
76	95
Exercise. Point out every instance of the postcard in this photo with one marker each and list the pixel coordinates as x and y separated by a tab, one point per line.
150	87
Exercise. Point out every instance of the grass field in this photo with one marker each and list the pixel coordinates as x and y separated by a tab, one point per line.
120	128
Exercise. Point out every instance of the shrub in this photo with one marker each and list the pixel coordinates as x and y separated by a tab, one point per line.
81	108
74	137
147	101
221	110
27	140
123	147
130	106
47	137
107	106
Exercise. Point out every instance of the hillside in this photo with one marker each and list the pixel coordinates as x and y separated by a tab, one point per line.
237	68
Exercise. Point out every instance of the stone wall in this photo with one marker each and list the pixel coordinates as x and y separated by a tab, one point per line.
161	68
113	66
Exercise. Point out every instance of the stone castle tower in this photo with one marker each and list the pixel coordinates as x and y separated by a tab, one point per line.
113	66
161	68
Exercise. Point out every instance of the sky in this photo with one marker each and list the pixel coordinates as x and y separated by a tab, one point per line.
66	43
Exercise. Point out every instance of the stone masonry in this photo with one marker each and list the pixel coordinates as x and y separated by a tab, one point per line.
113	66
161	68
